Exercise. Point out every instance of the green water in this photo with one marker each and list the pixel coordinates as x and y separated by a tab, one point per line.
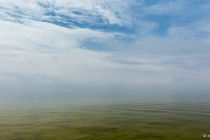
104	119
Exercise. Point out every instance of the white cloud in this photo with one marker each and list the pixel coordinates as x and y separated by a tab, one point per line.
47	55
166	8
112	12
198	29
41	54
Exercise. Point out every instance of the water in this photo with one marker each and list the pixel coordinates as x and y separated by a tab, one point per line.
157	118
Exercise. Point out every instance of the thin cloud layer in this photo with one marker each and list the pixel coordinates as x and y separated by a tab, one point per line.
68	13
102	45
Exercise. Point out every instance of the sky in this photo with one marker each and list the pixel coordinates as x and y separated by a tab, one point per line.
104	46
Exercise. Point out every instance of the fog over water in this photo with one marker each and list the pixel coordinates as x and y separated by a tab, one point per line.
159	116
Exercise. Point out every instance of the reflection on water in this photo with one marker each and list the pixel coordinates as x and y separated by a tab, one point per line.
101	119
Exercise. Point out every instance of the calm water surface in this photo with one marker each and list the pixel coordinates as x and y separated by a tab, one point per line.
158	118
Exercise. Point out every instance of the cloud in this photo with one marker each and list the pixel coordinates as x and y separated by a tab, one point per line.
67	13
198	30
169	14
166	8
100	44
